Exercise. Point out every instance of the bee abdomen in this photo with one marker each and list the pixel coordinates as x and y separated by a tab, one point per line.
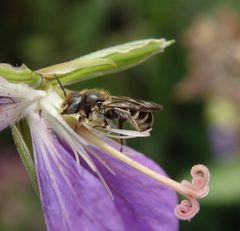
135	114
144	120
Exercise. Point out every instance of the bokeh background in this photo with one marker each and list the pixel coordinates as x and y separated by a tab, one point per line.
197	80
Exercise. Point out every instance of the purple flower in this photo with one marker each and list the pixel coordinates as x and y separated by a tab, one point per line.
224	140
85	182
74	197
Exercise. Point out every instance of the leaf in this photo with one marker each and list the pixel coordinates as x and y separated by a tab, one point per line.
106	61
25	155
20	74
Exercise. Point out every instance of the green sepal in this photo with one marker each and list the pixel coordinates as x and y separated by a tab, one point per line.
21	74
106	61
22	139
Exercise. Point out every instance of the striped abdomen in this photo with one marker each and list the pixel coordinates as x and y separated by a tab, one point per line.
141	121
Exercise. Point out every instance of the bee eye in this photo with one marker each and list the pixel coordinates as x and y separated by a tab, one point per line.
76	99
73	105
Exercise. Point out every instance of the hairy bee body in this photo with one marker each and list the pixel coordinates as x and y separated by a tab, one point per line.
99	107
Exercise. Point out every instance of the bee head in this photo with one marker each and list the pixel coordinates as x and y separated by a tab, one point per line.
72	103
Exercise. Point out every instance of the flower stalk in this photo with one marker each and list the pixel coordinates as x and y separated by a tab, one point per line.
25	155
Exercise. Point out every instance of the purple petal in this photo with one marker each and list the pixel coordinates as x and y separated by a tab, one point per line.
74	199
8	112
14	99
225	142
143	203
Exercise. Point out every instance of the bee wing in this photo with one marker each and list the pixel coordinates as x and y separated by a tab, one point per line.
124	102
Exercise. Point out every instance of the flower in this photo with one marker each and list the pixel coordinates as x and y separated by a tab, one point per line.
84	181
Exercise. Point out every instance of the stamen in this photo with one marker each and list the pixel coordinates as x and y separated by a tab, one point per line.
118	133
197	189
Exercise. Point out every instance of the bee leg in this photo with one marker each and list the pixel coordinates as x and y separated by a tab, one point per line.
120	126
105	124
80	120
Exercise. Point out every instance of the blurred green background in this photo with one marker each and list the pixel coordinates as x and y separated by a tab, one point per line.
40	33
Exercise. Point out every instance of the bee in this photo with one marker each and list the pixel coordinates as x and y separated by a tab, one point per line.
98	106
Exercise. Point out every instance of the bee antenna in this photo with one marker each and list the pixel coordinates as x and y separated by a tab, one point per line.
64	92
